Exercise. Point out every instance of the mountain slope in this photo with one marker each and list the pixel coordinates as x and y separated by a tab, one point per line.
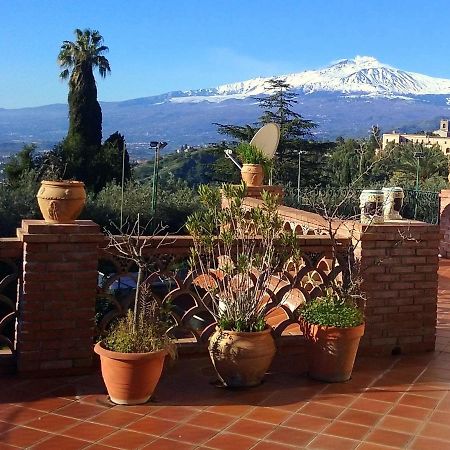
345	99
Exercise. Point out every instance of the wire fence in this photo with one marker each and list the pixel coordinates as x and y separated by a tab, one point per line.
344	203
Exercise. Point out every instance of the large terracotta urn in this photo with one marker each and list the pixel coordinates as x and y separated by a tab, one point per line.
61	201
241	359
252	174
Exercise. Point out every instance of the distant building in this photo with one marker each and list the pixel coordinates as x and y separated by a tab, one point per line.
440	137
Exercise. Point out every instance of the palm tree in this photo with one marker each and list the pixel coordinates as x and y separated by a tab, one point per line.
78	59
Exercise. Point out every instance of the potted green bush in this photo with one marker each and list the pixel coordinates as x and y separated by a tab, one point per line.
133	351
333	325
254	164
235	255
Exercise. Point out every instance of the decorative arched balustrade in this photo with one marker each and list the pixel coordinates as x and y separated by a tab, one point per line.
10	254
171	283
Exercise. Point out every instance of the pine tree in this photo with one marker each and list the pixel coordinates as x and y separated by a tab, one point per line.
278	108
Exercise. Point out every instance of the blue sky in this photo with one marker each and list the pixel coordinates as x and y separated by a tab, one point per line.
162	45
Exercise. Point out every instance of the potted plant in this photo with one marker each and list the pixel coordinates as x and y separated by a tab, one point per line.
332	325
254	164
133	351
235	255
60	201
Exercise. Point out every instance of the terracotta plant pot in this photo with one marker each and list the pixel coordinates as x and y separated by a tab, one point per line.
241	359
130	378
61	201
331	351
252	174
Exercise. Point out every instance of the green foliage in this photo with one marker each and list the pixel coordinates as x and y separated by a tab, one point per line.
175	202
18	202
234	244
333	311
196	166
81	56
148	336
250	154
355	162
19	164
278	108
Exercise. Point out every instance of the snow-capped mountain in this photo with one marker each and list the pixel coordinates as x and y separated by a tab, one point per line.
363	75
344	99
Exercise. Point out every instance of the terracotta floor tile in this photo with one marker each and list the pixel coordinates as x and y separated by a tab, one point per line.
5	426
191	434
98	447
47	404
175	413
232	410
271	446
426	443
127	439
390	438
115	418
81	411
152	425
335	400
211	420
270	415
291	436
326	442
52	423
347	430
321	410
375	406
419	401
168	444
251	428
400	424
19	415
147	408
382	396
360	417
372	446
4	446
231	441
409	412
23	437
436	431
61	442
307	422
442	417
89	431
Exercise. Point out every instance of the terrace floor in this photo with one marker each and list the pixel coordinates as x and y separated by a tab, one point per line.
392	402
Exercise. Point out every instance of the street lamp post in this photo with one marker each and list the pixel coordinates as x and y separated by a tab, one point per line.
418	156
157	146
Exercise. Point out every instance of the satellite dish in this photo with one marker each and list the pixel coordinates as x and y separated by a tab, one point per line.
266	139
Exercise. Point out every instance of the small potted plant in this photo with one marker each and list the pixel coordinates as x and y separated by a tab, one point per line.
254	164
235	255
60	201
133	351
333	325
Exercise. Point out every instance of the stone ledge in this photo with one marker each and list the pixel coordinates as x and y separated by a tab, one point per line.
77	227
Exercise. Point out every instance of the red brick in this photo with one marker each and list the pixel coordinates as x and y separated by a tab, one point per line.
412	260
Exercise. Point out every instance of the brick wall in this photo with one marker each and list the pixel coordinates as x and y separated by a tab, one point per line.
399	262
56	305
399	277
